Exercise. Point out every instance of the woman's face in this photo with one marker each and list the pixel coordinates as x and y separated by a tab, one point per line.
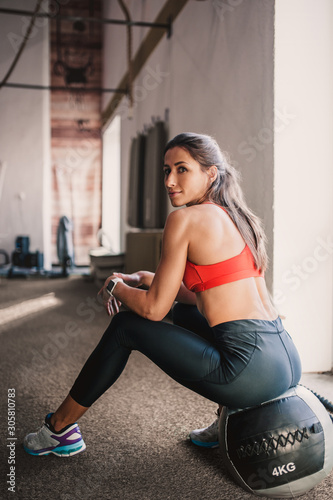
184	179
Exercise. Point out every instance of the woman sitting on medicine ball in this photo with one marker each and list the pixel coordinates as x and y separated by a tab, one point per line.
227	342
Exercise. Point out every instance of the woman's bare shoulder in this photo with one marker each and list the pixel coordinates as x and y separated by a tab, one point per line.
184	216
190	211
177	222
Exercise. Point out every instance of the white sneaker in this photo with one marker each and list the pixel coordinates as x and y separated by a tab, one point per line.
66	443
208	436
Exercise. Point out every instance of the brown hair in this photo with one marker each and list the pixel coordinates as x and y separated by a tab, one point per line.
225	190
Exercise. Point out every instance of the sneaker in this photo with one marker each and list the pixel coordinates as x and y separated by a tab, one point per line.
66	443
207	437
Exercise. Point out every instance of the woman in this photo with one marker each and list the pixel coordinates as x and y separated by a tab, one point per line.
228	343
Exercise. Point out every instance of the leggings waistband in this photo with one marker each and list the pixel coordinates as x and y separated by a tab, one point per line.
250	325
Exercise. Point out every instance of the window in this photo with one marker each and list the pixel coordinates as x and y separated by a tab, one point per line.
111	193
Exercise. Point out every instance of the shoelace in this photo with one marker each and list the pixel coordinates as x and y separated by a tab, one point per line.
213	426
40	429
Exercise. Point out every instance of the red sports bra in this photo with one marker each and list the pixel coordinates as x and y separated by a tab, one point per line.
199	278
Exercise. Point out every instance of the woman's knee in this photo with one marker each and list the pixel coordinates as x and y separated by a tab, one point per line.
117	326
122	319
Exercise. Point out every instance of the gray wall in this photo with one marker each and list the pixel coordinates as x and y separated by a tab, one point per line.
303	183
215	75
25	134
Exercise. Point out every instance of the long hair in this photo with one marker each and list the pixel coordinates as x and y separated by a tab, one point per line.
225	190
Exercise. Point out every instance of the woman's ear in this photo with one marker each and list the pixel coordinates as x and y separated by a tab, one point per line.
212	172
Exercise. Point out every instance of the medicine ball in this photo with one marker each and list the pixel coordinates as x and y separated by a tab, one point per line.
280	449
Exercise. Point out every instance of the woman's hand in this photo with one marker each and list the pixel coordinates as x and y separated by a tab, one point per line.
134	280
142	279
111	304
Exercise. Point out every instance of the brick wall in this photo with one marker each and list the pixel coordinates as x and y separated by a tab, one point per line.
76	131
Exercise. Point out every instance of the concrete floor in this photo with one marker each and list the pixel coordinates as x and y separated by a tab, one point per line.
321	383
136	433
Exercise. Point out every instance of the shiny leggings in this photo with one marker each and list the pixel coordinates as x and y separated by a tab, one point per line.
237	364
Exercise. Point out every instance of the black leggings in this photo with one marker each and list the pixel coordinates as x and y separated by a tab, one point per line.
237	364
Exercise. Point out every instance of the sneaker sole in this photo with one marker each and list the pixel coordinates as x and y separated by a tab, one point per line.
213	444
66	451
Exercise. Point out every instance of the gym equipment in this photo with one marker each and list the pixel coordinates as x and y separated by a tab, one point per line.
5	259
22	257
65	245
281	448
154	192
135	191
147	199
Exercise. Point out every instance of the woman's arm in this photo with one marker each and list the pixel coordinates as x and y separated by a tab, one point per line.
164	286
145	278
140	278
